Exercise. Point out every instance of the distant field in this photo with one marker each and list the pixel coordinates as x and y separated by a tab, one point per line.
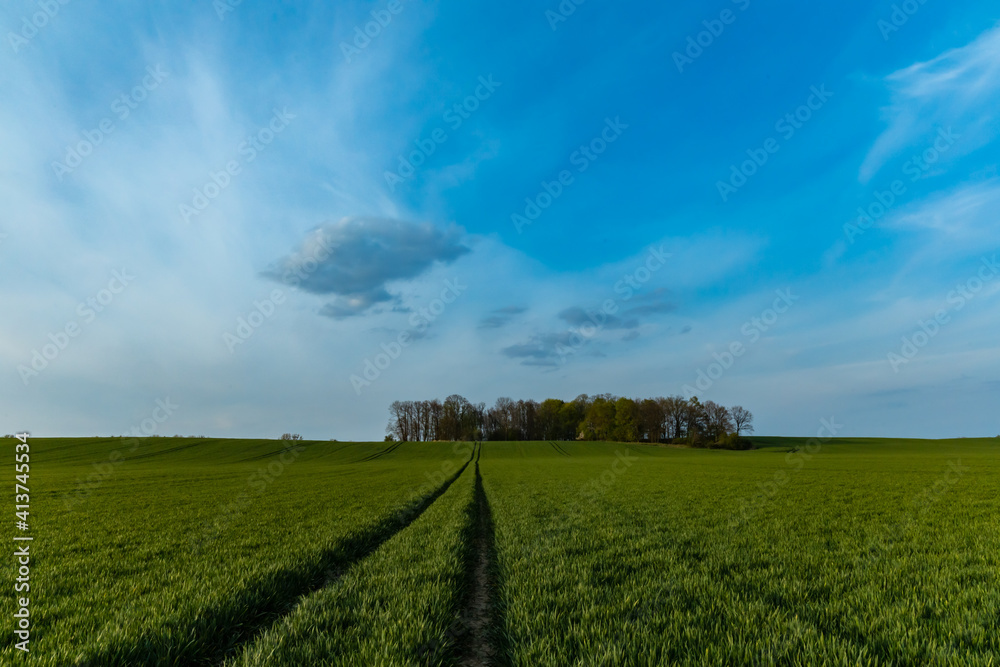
186	551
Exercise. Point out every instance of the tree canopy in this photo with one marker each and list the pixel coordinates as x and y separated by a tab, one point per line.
601	417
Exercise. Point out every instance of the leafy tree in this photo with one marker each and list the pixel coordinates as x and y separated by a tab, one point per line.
626	420
550	419
599	420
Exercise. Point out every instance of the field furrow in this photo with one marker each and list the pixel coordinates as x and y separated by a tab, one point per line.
179	558
398	606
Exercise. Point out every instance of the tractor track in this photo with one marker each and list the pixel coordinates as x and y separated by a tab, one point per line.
248	613
474	628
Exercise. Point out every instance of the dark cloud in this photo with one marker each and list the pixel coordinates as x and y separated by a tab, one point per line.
500	317
354	259
655	302
576	316
630	313
541	350
652	309
551	349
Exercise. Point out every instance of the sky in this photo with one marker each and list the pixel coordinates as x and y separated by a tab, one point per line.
239	219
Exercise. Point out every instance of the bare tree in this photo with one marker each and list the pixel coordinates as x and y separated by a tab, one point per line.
399	425
742	418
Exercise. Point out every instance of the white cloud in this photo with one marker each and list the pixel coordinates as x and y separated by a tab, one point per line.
959	89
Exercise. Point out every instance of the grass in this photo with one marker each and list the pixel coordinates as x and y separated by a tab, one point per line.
395	606
187	548
867	553
188	552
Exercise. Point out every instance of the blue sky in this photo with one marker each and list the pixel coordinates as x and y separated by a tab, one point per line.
213	203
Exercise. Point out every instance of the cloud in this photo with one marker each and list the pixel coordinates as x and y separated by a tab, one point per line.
651	303
501	317
966	212
654	302
959	89
585	325
576	316
541	349
354	259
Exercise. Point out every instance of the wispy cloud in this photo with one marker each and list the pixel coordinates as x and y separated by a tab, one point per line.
966	213
959	88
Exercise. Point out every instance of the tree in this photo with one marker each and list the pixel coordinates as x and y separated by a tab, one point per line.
651	420
599	420
718	420
570	416
602	417
742	418
674	408
291	436
549	419
398	426
626	420
503	417
695	422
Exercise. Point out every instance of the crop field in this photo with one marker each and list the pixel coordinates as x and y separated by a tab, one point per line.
189	551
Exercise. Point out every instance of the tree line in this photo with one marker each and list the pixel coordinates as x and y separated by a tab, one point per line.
671	419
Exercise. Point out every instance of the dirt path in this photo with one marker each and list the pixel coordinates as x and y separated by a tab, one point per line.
476	618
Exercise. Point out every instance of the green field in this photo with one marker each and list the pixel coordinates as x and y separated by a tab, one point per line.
187	551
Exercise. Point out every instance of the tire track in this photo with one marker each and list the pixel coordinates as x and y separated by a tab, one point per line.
227	627
388	450
475	626
171	450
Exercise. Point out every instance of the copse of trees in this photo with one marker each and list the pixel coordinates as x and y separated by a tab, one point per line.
671	419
